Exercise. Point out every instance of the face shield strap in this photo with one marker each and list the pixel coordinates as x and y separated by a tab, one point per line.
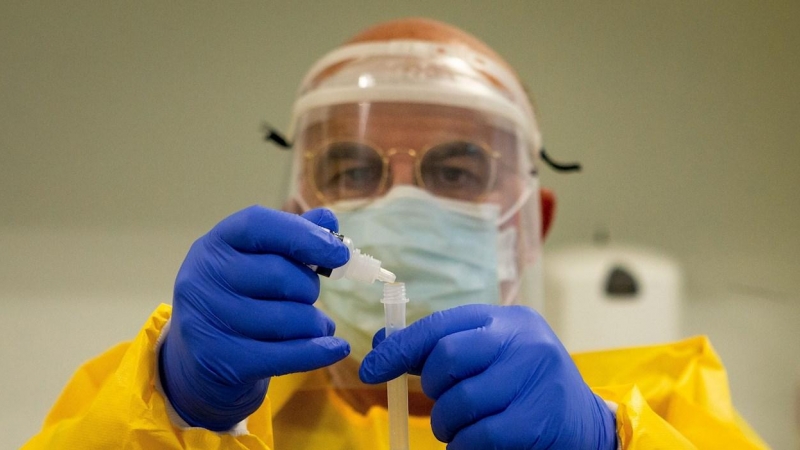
558	167
271	134
279	139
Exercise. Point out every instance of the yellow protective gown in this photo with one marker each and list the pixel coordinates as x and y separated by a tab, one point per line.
672	396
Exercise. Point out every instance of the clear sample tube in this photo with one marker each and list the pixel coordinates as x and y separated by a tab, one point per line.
394	307
360	267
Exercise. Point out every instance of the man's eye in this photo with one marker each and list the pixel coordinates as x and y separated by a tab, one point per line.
459	169
452	177
347	170
355	177
349	179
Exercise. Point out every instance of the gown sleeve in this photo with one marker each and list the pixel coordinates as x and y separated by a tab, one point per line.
668	396
112	402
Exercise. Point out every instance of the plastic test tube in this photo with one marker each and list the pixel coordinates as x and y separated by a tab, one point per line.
394	307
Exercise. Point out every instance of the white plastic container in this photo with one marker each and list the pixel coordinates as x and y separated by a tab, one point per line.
359	267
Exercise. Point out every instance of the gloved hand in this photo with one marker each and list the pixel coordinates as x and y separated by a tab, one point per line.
243	312
500	379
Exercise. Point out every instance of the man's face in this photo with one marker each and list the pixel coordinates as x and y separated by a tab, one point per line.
360	151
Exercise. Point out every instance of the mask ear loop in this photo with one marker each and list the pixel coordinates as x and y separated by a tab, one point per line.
559	167
516	206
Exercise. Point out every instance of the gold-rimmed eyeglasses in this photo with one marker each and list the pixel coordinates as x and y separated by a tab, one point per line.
349	169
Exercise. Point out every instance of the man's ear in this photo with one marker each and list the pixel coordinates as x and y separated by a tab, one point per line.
292	206
548	201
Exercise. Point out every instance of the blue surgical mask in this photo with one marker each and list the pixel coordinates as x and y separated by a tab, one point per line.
445	251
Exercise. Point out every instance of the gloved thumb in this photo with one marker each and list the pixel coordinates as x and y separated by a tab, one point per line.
322	217
379	337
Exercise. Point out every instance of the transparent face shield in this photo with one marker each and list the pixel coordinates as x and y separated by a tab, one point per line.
442	119
356	153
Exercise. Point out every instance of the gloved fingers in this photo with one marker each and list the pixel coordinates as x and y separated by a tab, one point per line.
261	230
492	432
275	320
379	336
254	360
555	425
322	217
457	357
407	349
472	400
273	277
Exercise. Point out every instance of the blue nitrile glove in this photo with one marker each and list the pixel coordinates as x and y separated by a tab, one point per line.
500	379
243	312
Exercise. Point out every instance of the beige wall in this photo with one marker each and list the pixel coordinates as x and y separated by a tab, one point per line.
128	129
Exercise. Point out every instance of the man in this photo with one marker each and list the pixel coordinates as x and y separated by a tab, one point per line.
418	142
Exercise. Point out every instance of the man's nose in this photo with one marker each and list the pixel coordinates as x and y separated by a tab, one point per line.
401	167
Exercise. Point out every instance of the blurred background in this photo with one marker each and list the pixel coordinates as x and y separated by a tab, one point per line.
128	129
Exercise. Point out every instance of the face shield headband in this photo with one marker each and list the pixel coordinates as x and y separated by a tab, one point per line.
416	71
